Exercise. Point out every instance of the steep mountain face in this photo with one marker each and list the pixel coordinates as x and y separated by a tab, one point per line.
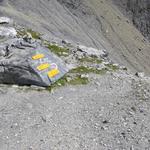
97	24
139	13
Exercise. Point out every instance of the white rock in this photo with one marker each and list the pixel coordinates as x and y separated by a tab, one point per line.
8	32
15	86
37	87
106	62
117	65
84	76
70	66
92	51
5	20
140	74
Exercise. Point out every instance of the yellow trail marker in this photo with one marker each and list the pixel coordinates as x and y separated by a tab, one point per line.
43	66
53	73
38	56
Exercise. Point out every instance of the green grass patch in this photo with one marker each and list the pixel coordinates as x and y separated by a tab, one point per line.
24	32
83	69
76	80
34	34
75	77
112	67
59	83
58	50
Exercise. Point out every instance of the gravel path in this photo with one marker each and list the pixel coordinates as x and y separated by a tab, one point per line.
111	112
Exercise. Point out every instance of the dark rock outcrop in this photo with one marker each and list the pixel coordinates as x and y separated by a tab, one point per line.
139	13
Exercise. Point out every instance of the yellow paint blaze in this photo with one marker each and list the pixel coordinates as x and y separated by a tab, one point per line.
43	66
38	56
53	73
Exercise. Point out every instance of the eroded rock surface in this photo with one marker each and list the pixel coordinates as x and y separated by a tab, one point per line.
139	13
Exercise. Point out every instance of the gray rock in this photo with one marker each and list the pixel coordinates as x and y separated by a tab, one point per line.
138	12
7	32
18	66
140	74
92	51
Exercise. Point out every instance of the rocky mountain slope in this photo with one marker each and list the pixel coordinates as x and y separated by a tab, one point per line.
100	104
96	24
139	13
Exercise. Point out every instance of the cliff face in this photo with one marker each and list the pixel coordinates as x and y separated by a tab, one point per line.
139	13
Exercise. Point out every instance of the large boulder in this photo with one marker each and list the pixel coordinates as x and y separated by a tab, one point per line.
23	63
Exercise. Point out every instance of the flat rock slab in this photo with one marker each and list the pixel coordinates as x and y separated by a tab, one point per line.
49	67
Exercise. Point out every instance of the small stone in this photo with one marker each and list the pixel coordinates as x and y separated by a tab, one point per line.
123	68
133	108
140	49
59	84
43	119
41	140
97	83
28	38
84	76
60	98
123	134
117	65
68	79
106	63
16	124
15	86
140	74
66	42
64	53
105	122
